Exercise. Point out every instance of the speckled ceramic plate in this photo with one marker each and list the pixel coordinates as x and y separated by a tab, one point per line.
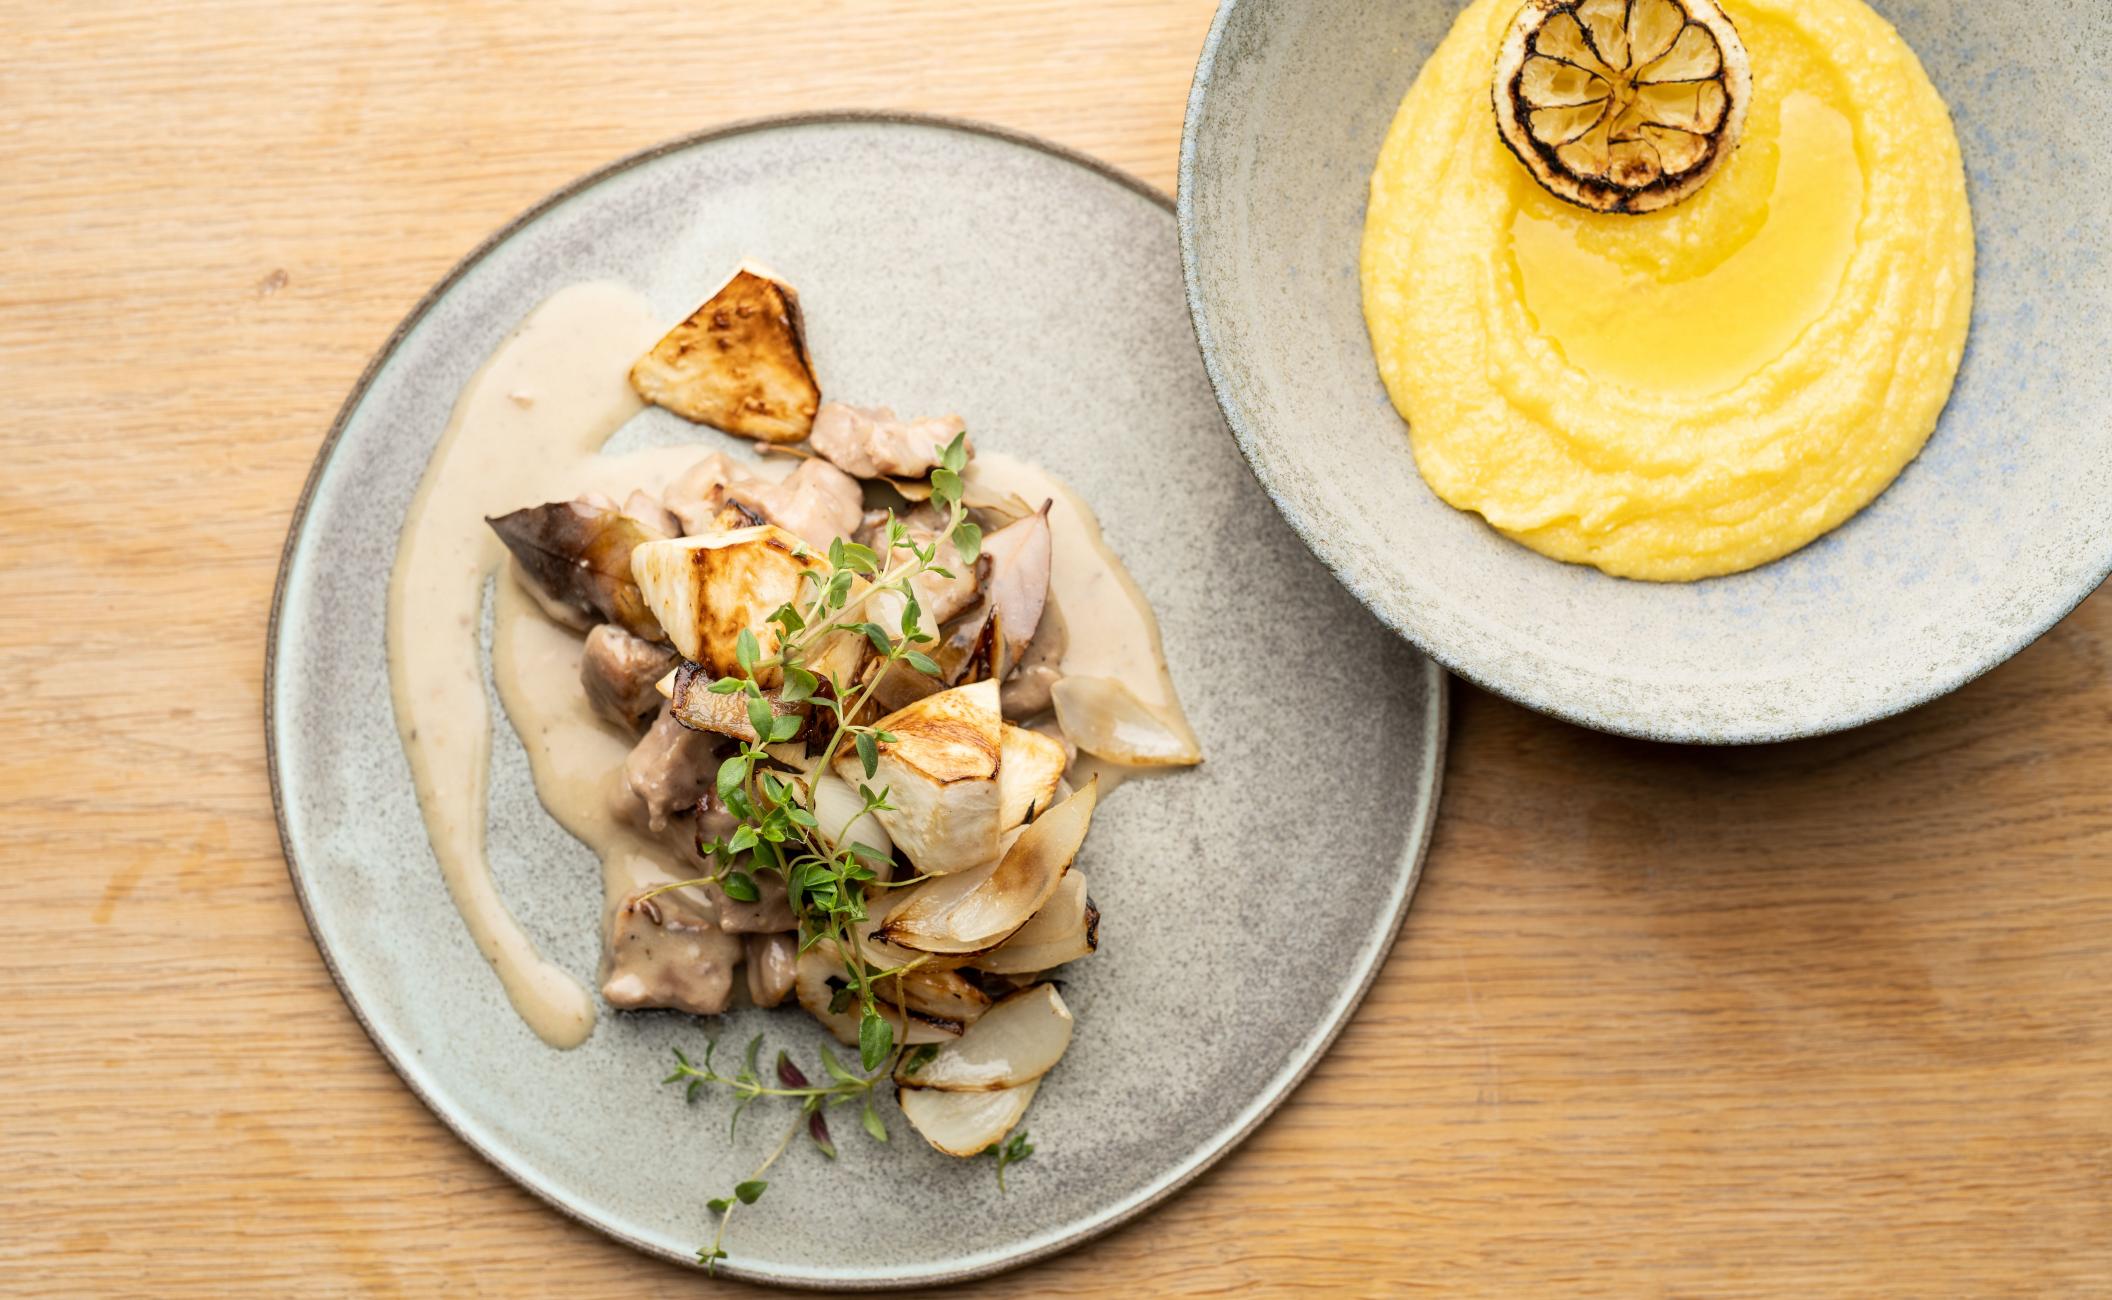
1246	905
1986	541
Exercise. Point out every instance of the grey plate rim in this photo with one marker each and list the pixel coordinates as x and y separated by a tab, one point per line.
1330	553
1217	1147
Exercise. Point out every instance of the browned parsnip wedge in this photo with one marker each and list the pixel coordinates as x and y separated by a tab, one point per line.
739	363
976	911
579	554
1014	1043
941	775
964	1123
705	591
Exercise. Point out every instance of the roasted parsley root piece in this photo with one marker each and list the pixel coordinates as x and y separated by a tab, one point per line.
974	911
739	363
1030	768
579	554
941	774
707	590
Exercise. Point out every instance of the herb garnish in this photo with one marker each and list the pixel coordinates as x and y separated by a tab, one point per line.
1009	1152
844	1088
776	830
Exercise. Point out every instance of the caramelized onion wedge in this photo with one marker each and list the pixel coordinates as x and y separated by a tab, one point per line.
943	995
1016	1042
1104	717
1027	775
1020	556
978	910
964	1123
819	977
1059	918
940	773
1015	958
1065	929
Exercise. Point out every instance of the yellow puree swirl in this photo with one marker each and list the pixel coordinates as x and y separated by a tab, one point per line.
1700	390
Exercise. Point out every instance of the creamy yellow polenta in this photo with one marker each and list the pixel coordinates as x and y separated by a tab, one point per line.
1699	390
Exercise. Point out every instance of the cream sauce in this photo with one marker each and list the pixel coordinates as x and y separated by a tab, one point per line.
528	429
1112	631
525	430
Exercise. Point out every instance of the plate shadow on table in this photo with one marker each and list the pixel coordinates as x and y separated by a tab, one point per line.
1901	879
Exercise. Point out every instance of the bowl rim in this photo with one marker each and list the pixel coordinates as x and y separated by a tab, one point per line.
1218	1145
1335	555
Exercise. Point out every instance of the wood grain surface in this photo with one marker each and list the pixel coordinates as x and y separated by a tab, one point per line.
1826	1018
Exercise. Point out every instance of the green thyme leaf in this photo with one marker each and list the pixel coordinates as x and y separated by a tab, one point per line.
875	1039
860	559
837	1070
746	652
968	540
740	888
955	456
868	752
923	663
751	1191
871	1120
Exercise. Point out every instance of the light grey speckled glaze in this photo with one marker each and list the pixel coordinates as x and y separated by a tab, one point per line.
1999	529
1246	905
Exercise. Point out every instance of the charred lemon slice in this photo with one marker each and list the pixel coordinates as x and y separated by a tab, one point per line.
1622	105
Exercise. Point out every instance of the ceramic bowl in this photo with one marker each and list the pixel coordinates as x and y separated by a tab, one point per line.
1998	530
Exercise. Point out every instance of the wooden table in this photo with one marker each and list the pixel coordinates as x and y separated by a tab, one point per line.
1827	1017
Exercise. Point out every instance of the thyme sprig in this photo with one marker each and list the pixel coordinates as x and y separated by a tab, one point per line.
776	829
844	1087
1009	1152
826	875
